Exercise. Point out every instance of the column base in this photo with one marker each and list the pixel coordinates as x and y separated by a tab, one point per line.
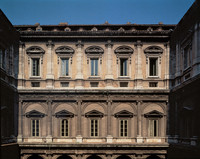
109	139
19	138
139	139
79	139
49	139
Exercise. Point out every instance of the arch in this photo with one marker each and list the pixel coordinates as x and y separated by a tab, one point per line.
146	108
153	157
35	157
123	157
35	50
64	50
153	50
64	157
90	106
126	106
94	50
35	106
64	106
94	157
124	50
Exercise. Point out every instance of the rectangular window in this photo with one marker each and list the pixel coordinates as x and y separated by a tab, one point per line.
64	127
94	67
123	67
64	84
94	124
65	67
2	59
153	84
35	67
153	66
94	84
153	127
35	127
123	128
35	84
123	84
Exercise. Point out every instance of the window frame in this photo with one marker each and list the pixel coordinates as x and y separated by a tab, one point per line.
127	129
66	68
94	70
94	119
38	67
157	121
68	128
39	122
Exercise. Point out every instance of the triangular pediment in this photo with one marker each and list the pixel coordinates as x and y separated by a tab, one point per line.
94	113
34	114
64	114
154	113
124	114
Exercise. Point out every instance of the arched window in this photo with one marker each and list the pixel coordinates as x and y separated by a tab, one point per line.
123	157
35	157
94	157
64	157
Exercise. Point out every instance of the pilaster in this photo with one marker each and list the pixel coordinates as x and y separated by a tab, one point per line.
21	64
20	122
49	123
138	62
79	132
79	65
139	123
50	75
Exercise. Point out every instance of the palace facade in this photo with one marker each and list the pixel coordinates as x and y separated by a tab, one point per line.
184	109
93	91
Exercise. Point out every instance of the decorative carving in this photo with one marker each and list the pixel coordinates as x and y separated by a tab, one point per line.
149	29
94	29
124	113
138	43
67	29
109	44
64	50
35	50
94	113
94	50
34	113
79	44
124	50
64	113
39	28
49	43
154	113
121	29
153	49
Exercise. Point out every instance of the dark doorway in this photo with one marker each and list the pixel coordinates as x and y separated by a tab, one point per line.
153	157
94	157
35	157
64	157
123	157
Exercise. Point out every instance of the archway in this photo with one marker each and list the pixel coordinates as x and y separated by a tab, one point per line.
35	157
153	157
123	157
64	157
94	157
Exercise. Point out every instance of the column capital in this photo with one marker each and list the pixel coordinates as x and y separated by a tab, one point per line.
138	43
21	44
79	44
50	43
167	44
109	44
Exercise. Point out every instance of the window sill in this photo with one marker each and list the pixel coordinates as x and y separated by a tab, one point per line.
123	77
64	77
153	77
188	69
35	77
94	77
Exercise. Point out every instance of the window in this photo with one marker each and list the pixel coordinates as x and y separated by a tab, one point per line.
153	66
35	124
153	84
187	56
94	84
123	84
123	67
153	127
94	66
94	125
65	67
64	84
64	127
2	58
123	128
35	84
35	67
